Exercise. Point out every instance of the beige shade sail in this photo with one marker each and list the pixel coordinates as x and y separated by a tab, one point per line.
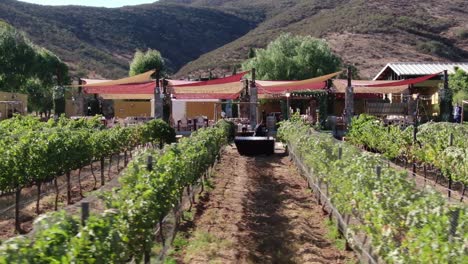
273	84
94	81
339	86
140	78
127	96
227	85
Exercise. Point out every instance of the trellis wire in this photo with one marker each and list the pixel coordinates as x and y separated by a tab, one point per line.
344	225
359	246
178	210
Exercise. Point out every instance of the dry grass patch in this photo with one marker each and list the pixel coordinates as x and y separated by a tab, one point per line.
204	243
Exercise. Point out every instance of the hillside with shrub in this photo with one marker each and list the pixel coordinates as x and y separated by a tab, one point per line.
367	34
197	35
103	40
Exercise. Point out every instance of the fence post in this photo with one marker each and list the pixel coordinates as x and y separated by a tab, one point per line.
450	176
340	152
149	167
103	179
415	139
149	163
454	223
319	191
84	212
378	171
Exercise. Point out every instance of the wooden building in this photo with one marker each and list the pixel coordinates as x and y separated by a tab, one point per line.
428	90
11	103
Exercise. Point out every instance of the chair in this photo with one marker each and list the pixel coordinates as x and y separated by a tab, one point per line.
201	122
182	124
111	122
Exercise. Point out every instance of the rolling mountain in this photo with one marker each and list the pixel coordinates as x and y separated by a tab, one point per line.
367	34
197	35
103	40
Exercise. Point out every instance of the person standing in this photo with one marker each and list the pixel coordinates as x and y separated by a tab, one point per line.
457	113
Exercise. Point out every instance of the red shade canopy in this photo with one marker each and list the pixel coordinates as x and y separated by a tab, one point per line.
231	79
397	83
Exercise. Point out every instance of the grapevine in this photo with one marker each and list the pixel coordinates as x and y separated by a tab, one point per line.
406	225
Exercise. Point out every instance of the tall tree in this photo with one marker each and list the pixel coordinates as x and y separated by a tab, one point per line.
53	74
27	68
293	58
251	53
458	83
17	59
146	61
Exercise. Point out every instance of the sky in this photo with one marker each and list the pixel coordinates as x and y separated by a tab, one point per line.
101	3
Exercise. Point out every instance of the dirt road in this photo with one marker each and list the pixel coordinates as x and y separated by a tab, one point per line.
260	211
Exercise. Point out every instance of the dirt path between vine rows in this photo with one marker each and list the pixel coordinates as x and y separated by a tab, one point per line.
259	211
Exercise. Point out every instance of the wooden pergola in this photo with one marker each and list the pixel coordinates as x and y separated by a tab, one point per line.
10	105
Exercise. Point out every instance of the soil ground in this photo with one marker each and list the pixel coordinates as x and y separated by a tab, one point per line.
259	211
431	180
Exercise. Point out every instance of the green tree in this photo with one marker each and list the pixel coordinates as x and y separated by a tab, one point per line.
50	69
251	53
354	72
17	59
40	97
53	74
293	58
234	69
458	83
146	61
29	69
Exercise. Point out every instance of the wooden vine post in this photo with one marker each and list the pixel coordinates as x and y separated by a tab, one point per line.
103	179
149	167
454	224
415	132
38	198
84	212
17	210
378	171
349	100
68	187
450	176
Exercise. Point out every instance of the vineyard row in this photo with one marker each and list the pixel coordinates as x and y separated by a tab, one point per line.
443	146
126	231
404	224
34	152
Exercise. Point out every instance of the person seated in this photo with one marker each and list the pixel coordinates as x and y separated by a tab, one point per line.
259	130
